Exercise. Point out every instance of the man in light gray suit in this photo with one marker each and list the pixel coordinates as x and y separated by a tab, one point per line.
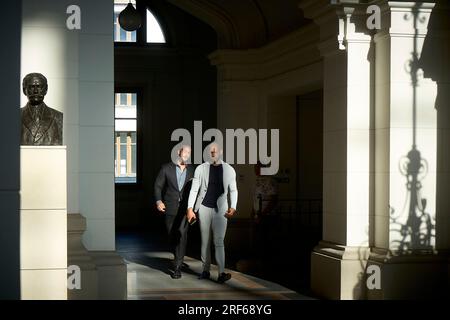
213	182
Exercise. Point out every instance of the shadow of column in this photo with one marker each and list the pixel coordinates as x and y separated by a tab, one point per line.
419	230
435	62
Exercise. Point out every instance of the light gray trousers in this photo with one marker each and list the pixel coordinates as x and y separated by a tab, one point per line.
211	220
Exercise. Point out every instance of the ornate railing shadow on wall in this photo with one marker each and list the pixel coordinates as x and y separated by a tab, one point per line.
418	231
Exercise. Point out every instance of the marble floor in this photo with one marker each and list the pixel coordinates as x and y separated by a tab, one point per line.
149	278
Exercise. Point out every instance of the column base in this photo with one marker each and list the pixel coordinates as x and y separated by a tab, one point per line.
103	273
337	271
112	275
79	256
418	275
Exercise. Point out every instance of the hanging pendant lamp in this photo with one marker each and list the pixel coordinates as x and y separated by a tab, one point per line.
129	18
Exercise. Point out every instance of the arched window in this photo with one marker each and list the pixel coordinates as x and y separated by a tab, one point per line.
154	31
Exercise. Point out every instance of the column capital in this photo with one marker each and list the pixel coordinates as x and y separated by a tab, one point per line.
400	19
341	22
352	26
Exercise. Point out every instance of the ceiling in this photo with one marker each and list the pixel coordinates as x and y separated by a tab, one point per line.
244	24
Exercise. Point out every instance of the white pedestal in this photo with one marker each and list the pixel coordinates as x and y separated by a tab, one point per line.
43	223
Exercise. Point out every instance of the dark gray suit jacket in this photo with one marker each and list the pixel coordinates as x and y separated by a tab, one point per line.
48	132
166	188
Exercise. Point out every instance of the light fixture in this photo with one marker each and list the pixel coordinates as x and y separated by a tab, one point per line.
129	18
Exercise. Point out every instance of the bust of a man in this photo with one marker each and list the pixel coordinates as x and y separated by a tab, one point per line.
41	125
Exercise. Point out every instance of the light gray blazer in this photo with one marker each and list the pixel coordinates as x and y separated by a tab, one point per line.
200	186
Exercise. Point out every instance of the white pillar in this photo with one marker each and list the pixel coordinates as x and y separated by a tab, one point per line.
338	262
406	149
96	155
96	124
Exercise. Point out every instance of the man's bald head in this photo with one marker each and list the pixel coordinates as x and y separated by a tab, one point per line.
184	153
215	151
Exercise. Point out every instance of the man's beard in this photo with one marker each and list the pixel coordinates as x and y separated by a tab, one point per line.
214	159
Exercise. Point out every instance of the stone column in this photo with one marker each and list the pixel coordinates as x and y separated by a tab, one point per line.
338	262
96	149
407	230
103	273
80	257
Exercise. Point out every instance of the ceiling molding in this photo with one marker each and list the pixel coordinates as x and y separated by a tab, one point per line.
313	9
214	16
292	52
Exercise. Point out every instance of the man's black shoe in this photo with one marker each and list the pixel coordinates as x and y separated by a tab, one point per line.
184	266
176	264
205	275
224	277
176	274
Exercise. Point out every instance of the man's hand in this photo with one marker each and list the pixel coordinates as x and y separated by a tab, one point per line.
190	215
230	212
160	206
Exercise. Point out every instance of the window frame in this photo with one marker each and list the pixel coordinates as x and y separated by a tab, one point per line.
139	135
141	33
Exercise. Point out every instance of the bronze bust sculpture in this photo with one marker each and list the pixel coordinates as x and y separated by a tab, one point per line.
41	125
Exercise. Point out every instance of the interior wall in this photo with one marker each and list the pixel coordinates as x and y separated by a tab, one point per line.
257	89
79	67
310	145
48	47
282	114
299	119
178	86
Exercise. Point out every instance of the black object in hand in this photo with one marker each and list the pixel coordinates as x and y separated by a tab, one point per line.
192	221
